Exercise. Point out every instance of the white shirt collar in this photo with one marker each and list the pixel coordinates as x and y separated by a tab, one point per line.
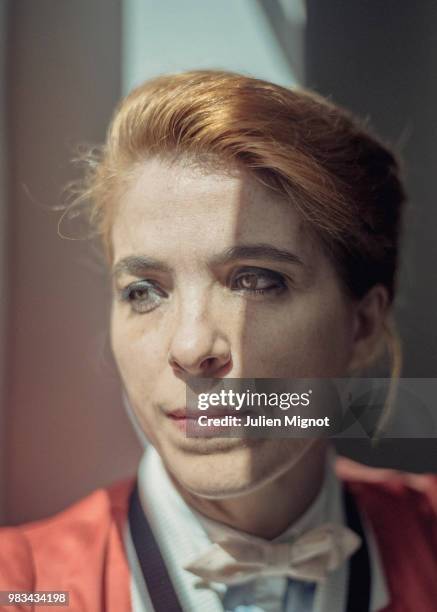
182	533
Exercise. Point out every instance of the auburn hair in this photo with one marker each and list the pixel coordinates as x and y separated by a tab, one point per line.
340	177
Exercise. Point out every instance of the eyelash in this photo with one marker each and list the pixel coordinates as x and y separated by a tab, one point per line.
279	281
142	305
137	304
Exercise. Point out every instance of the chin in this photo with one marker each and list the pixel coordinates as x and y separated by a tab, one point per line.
220	485
232	470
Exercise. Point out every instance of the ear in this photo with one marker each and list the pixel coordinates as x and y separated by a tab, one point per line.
369	317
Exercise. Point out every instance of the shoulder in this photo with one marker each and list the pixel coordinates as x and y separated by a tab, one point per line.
39	551
378	487
401	508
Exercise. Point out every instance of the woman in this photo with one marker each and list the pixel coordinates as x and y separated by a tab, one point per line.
252	232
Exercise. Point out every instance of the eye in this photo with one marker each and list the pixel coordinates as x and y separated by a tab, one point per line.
143	296
258	281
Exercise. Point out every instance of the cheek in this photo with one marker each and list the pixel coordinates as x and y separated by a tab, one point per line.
136	357
307	339
135	353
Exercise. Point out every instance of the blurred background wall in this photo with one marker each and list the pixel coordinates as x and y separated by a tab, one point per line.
3	248
170	36
63	430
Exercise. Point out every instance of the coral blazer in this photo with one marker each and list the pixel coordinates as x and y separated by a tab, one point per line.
81	549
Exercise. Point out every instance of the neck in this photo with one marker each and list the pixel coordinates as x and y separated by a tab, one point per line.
270	509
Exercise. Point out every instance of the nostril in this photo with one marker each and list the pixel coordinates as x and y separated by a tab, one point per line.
208	363
219	367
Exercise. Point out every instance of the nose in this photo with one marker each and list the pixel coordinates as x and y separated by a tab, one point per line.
199	347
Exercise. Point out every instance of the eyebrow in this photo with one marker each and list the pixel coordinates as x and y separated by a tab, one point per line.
136	265
257	251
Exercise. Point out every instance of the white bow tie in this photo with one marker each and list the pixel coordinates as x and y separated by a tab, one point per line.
235	559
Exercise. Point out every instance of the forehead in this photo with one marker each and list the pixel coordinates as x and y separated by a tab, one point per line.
175	206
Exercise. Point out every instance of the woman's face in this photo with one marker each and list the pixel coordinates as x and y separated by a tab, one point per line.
214	277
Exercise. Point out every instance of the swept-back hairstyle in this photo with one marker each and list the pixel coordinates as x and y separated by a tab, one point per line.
342	180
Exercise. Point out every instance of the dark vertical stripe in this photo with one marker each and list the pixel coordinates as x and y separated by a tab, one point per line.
358	599
155	574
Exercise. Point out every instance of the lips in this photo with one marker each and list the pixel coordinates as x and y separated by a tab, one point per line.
186	413
182	413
